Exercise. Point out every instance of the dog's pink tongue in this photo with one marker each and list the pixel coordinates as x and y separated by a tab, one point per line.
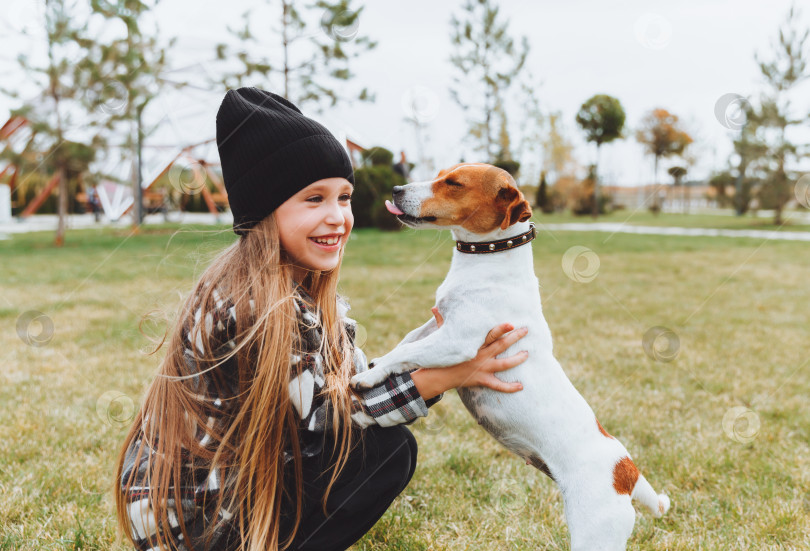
392	208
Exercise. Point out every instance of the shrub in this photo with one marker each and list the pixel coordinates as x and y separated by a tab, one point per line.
510	166
372	186
377	156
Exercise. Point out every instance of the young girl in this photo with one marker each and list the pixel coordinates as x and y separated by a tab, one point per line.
250	436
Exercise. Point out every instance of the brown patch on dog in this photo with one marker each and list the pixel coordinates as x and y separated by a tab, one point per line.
625	476
517	208
605	433
476	196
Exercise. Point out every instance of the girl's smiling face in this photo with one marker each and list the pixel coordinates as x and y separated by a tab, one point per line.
314	225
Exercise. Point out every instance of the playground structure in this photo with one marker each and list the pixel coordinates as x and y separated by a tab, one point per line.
153	199
116	199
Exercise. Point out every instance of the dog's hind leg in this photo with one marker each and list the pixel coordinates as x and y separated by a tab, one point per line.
598	524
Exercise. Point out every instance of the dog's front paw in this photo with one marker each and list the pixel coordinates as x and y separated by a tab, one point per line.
368	379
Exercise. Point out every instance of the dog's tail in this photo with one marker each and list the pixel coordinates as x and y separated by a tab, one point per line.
644	493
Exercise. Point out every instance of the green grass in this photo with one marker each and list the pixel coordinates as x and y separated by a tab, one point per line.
792	220
738	306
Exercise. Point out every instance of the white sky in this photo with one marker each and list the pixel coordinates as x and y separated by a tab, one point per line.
682	56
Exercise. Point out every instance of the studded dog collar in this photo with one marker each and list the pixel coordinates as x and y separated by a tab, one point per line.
479	247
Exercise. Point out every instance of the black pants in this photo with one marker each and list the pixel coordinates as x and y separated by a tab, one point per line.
379	467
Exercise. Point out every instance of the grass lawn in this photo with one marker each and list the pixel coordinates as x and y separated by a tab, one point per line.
792	220
723	428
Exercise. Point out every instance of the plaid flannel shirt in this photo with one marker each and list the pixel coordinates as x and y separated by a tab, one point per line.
393	402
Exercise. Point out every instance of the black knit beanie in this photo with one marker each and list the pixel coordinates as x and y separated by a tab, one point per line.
269	152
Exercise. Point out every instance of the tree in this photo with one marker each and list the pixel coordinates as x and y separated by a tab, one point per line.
533	124
503	159
721	182
306	72
558	152
770	122
374	182
677	173
486	57
50	113
602	120
120	78
542	201
748	149
662	137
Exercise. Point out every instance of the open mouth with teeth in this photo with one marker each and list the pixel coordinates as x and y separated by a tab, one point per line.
406	218
329	243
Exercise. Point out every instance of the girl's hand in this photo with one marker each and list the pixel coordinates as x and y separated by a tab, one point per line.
479	371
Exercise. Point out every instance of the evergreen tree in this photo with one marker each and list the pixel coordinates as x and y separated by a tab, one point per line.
769	124
542	200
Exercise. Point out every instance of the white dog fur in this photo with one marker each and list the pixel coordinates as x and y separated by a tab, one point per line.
548	423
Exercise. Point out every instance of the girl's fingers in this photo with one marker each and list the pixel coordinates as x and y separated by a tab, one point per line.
496	384
503	364
509	340
497	332
438	316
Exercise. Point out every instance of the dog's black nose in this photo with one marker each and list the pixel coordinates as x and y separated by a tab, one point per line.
397	190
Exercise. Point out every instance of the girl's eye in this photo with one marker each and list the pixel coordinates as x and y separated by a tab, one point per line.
314	199
346	197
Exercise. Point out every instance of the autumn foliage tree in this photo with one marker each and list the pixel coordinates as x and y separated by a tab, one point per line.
662	136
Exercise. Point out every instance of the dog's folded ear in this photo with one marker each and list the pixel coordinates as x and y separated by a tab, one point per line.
517	209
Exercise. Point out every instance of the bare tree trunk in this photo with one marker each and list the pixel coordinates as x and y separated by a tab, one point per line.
285	42
490	157
63	199
657	207
595	207
686	198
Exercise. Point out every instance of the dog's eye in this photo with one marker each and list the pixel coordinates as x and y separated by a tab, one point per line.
452	183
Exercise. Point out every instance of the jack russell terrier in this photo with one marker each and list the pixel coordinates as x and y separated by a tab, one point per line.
491	279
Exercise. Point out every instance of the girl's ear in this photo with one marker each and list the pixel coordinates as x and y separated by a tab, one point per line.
517	208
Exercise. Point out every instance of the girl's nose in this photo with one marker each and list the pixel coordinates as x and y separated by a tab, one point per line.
335	214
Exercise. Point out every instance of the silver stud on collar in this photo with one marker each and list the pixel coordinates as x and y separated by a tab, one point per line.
472	247
492	246
509	243
524	238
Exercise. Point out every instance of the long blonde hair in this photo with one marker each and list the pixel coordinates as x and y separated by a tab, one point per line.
251	445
